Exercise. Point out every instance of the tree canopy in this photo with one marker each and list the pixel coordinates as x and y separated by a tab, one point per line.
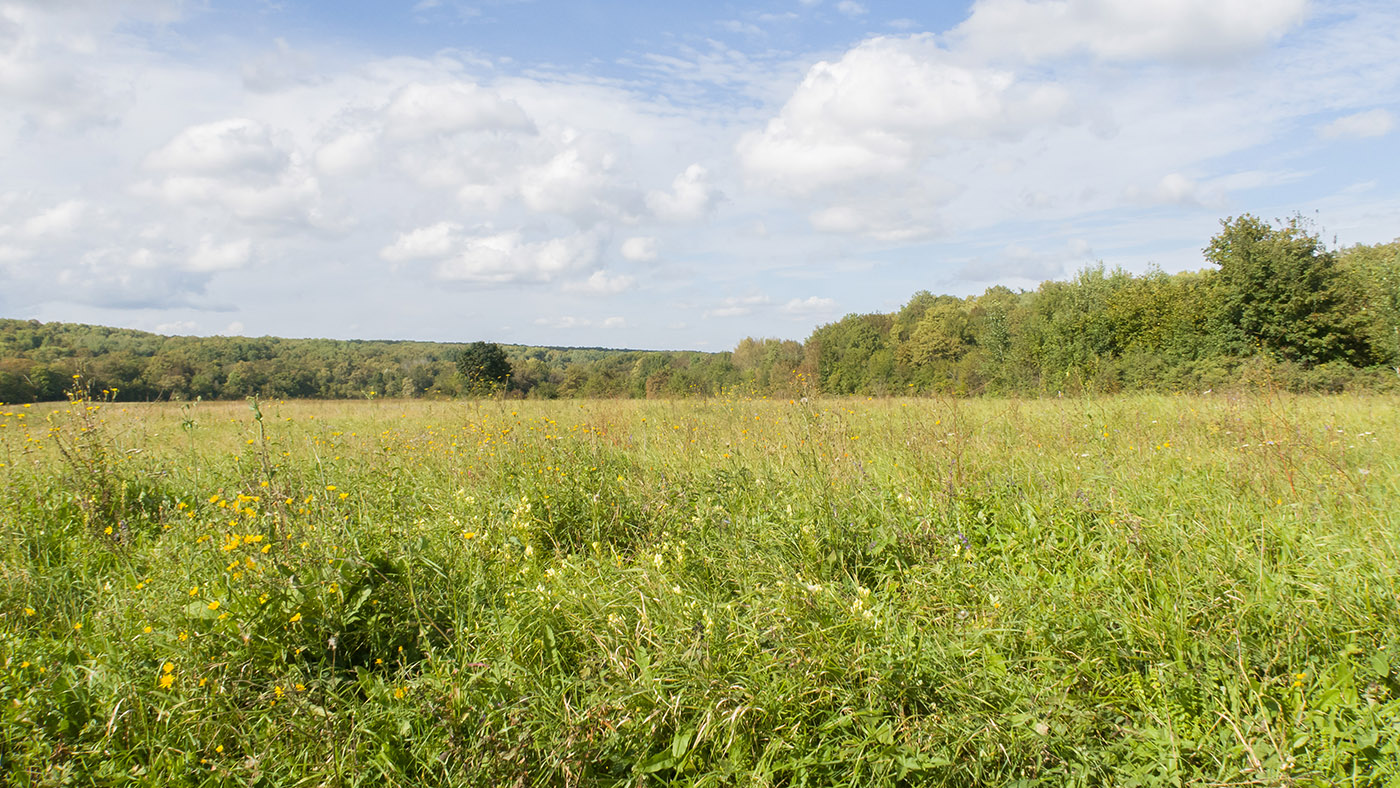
484	368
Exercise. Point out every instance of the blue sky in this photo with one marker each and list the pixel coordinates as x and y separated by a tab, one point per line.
657	175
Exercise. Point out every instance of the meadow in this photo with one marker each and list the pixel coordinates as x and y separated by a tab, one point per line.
1133	590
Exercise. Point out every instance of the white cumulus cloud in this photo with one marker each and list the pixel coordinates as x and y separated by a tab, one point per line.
234	145
433	242
59	220
640	249
507	257
883	108
691	197
209	256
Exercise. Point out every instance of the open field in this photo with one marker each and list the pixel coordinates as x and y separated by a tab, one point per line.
1136	590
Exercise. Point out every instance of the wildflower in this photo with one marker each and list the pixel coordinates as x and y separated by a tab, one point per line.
183	636
214	605
29	611
194	591
167	681
219	749
147	629
295	618
78	627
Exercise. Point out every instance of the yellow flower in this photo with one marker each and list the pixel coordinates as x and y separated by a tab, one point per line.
330	488
278	690
167	681
29	611
147	629
214	605
194	591
184	636
78	626
168	667
295	618
219	749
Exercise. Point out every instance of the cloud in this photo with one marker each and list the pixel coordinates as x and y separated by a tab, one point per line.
884	108
640	249
279	69
569	321
737	306
499	258
433	242
603	283
1126	30
348	154
239	166
690	198
810	307
420	110
496	257
851	8
210	257
577	181
176	328
59	220
235	145
1362	125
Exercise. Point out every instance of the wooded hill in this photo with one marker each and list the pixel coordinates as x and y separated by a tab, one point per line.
1276	307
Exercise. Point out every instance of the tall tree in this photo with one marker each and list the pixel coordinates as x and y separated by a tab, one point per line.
1280	288
484	368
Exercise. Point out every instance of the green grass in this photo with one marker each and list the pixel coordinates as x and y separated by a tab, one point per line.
1128	591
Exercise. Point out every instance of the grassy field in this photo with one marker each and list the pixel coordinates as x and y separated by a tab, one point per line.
1126	591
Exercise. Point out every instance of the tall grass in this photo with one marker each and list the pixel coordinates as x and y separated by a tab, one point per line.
1129	591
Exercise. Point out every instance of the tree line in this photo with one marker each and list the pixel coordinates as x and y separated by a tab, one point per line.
1276	305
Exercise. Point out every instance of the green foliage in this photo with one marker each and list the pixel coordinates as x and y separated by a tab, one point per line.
1280	289
484	368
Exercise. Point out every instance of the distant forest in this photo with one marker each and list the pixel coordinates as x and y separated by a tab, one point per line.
1275	306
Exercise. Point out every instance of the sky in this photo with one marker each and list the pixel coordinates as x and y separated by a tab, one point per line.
658	175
